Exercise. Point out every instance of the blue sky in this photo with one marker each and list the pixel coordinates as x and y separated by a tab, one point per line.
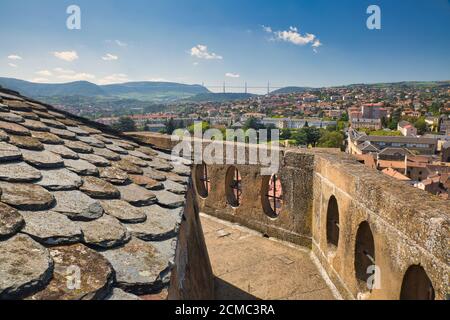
304	42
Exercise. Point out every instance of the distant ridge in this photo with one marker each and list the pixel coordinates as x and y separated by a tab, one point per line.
287	90
144	90
159	92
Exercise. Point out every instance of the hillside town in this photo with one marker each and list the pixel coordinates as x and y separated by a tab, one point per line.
401	130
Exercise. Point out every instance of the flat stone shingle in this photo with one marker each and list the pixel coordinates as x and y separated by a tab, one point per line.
62	150
77	205
120	295
78	146
26	142
96	160
113	175
51	228
60	179
25	266
136	161
169	200
74	196
159	225
26	196
18	172
8	152
11	221
35	125
11	117
107	154
146	182
105	232
65	134
127	166
136	195
96	275
99	189
47	137
124	211
93	142
14	128
82	167
42	159
138	266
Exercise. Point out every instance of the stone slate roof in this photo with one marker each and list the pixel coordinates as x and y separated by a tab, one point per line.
79	199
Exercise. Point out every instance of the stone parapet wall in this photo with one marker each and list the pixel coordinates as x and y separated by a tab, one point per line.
405	231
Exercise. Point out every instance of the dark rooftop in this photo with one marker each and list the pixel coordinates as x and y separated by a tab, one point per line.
78	199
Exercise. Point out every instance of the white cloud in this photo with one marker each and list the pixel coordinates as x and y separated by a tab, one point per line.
232	75
39	80
114	78
77	76
110	57
45	73
64	71
12	65
267	29
14	57
117	42
71	75
66	55
294	36
157	80
195	64
201	51
316	44
121	44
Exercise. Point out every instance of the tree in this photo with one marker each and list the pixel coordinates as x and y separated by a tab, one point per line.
170	126
344	117
394	119
435	108
312	135
332	139
124	124
253	123
204	126
421	126
306	136
384	122
341	125
300	138
285	134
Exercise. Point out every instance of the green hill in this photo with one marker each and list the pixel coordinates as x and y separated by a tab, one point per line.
144	91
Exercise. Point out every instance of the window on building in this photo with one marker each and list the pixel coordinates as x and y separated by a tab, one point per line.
202	181
333	222
416	285
233	187
364	255
272	195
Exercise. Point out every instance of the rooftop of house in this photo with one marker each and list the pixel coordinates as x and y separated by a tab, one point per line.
399	139
391	164
395	151
78	198
395	174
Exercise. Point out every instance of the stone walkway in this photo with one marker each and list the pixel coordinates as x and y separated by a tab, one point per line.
248	266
